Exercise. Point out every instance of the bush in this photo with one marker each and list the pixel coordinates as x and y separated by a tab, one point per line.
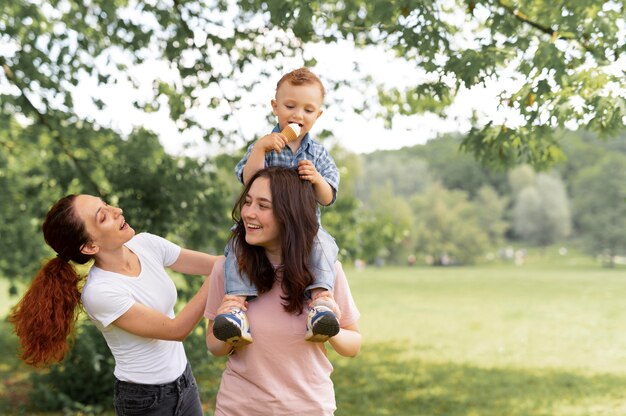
83	381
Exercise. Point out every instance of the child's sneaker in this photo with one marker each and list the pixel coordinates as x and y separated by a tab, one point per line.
232	328
321	324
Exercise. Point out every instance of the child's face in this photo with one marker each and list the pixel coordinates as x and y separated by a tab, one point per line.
301	104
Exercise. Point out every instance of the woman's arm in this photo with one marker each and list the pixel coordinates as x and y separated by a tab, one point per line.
194	262
146	322
348	341
214	345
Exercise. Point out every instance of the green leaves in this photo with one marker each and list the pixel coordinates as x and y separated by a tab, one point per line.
499	146
207	45
550	46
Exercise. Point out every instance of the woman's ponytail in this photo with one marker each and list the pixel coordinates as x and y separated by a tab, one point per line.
45	316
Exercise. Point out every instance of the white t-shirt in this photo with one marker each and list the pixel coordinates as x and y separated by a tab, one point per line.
280	373
107	296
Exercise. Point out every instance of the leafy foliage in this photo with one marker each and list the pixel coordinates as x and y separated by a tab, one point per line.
447	228
599	196
490	212
176	197
214	51
386	227
82	382
541	214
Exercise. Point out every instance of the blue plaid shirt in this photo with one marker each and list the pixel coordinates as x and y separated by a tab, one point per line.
309	150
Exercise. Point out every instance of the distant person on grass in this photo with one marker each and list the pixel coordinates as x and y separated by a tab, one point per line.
299	98
280	373
129	297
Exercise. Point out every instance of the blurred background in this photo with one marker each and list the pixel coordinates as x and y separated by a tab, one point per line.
481	214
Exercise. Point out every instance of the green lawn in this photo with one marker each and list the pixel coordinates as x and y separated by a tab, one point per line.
487	340
501	340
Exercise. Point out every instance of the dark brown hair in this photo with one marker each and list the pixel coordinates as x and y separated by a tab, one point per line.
301	76
293	204
45	316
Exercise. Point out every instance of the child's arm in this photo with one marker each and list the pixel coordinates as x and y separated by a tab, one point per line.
256	159
323	191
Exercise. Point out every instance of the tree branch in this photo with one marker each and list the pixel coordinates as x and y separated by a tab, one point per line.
555	34
56	136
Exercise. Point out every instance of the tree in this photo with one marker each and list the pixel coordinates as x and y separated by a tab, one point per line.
214	52
403	173
173	196
564	55
599	195
541	212
521	177
385	231
341	219
446	226
490	211
25	189
457	171
584	149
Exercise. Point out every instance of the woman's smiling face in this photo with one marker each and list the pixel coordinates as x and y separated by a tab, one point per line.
104	224
262	228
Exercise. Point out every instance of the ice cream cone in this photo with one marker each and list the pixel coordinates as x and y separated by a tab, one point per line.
292	131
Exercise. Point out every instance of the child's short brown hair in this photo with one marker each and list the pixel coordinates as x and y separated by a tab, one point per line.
301	76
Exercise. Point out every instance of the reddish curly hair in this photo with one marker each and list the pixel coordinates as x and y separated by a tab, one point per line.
301	76
45	317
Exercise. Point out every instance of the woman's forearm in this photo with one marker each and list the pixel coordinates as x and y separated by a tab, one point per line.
214	345
187	319
347	342
146	322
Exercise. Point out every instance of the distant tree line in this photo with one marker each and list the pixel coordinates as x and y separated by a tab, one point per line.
433	202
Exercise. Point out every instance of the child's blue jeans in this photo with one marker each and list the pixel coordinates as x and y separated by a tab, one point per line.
322	263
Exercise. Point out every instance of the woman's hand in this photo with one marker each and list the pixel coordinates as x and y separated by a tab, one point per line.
230	302
217	347
326	298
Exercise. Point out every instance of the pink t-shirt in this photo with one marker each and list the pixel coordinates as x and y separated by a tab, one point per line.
279	373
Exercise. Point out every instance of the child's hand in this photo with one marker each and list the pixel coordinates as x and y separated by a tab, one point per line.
272	141
229	302
307	172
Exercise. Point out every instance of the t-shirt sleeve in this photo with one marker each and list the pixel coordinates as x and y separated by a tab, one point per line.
216	290
164	250
349	312
242	163
106	303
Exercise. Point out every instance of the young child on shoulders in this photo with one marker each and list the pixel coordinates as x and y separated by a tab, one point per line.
297	105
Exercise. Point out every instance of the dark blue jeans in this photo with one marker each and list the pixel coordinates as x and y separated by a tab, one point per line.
178	398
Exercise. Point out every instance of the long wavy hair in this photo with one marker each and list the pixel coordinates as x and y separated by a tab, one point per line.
45	317
293	204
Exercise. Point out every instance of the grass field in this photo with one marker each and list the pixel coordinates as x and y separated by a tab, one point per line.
488	340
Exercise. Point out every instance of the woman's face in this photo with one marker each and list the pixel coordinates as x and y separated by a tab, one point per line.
105	224
262	228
